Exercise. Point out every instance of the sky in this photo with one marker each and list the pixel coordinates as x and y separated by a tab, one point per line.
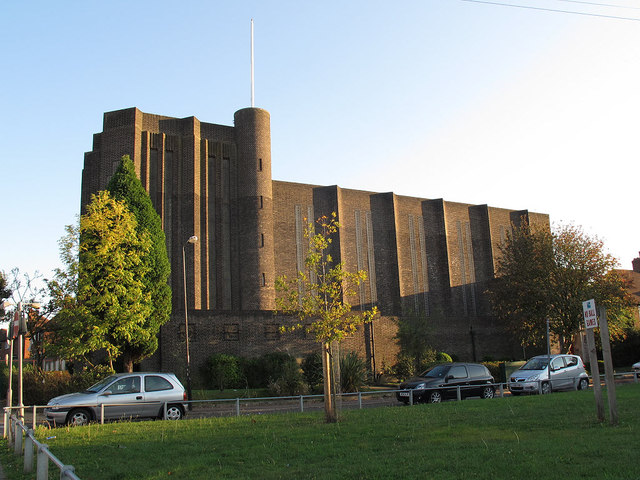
517	104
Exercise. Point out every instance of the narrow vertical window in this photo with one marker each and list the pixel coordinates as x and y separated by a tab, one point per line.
261	201
259	164
262	239
263	280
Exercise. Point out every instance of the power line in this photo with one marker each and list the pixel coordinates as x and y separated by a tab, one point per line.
502	4
600	4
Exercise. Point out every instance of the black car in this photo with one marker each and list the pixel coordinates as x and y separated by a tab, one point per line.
442	382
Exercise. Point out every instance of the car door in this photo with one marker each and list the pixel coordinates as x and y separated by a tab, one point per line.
558	373
122	398
478	379
572	371
457	376
159	390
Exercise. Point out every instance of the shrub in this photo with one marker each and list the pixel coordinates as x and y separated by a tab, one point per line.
223	371
494	369
405	366
88	376
278	364
39	386
625	350
312	369
442	357
353	372
289	381
252	372
4	377
259	372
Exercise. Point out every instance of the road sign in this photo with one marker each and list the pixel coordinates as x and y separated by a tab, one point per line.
590	315
15	325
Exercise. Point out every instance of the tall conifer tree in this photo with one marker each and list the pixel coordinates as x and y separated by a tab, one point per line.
126	186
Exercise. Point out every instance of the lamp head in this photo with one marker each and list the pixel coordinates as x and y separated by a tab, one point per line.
192	239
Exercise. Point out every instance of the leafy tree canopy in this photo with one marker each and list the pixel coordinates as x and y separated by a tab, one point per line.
112	303
319	295
126	186
542	274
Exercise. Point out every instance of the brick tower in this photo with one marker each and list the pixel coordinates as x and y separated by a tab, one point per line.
255	209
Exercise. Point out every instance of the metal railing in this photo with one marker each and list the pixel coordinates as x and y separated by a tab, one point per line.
99	416
24	443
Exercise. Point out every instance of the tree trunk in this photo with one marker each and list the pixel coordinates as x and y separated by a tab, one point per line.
128	363
329	406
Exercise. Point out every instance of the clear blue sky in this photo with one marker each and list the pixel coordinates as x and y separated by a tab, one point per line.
469	101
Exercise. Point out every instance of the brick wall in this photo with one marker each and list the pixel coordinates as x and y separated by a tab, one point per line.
251	334
423	256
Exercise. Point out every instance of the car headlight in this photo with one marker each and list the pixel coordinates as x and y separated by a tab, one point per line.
420	386
534	378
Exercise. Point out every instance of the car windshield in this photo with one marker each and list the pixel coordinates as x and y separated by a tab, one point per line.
436	372
101	384
536	364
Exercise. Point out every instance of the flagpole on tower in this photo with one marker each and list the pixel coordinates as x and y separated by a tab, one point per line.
252	89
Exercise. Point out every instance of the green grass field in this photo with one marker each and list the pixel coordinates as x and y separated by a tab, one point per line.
550	437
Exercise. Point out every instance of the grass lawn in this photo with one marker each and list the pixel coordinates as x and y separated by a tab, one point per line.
550	437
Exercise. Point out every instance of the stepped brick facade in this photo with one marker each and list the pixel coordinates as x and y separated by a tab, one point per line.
424	257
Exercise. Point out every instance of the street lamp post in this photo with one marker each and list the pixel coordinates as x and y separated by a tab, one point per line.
192	239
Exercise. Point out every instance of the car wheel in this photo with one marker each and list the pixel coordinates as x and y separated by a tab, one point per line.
434	397
583	384
546	388
174	412
78	417
488	392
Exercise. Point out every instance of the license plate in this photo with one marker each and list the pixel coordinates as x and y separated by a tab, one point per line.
404	394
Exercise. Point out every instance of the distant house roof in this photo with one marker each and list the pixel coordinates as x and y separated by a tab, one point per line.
634	283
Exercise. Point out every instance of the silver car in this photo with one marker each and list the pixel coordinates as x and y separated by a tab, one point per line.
124	395
545	374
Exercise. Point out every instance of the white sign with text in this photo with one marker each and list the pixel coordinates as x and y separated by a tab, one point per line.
590	315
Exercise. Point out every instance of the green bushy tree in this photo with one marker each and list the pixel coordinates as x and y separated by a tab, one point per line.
111	306
125	186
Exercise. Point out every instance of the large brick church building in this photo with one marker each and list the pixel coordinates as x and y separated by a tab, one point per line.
428	258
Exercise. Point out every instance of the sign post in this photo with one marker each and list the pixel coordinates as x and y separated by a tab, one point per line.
609	378
591	322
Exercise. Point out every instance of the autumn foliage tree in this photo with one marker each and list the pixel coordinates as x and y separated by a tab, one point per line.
318	297
544	275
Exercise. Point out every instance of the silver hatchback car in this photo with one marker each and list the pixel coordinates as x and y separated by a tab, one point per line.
120	396
546	374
